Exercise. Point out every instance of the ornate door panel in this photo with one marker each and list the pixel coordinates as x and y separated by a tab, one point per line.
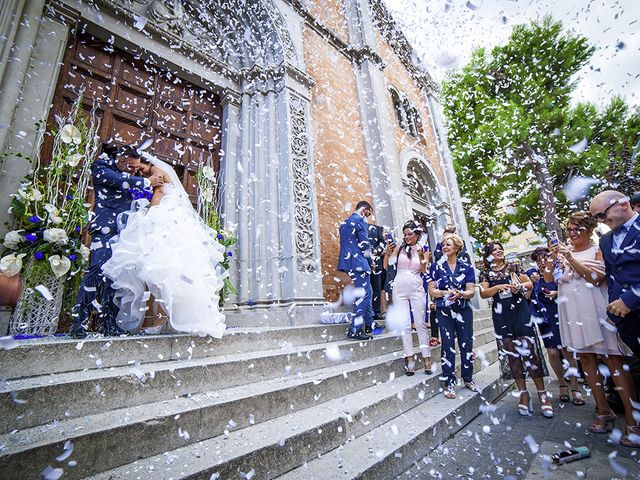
137	100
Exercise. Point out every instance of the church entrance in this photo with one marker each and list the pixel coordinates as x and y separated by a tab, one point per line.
137	100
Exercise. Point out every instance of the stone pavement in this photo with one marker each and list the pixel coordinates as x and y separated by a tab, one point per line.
502	444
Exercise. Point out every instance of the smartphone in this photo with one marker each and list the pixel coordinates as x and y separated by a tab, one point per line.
553	237
390	239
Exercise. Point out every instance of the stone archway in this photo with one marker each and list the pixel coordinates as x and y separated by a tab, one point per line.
424	193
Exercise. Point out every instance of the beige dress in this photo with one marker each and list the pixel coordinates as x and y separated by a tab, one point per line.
582	309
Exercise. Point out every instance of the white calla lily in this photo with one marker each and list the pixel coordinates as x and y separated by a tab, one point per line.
74	160
70	134
11	264
60	265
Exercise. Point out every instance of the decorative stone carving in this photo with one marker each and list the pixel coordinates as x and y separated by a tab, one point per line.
167	12
283	33
302	200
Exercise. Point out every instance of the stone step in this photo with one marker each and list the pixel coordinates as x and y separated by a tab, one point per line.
55	355
390	449
39	400
275	446
26	358
201	416
156	427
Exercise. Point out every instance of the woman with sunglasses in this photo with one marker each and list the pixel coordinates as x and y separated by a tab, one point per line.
519	348
583	319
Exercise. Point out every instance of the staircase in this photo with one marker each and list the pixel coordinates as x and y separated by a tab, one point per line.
288	402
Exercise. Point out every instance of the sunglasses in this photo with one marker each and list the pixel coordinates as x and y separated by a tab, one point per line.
577	229
603	214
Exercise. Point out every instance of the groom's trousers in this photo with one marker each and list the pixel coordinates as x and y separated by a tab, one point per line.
95	292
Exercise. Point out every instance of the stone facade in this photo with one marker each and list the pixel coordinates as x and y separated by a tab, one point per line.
311	94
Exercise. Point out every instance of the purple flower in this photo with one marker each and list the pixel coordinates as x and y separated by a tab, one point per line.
38	255
73	257
30	237
69	197
250	302
220	236
34	219
77	229
229	254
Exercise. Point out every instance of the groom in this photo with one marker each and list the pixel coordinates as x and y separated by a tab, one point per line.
115	177
354	258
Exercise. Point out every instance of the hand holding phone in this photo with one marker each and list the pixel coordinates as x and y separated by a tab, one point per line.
553	238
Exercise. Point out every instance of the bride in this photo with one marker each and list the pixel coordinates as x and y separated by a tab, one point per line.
167	251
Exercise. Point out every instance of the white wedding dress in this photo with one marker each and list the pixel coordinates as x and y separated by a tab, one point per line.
168	251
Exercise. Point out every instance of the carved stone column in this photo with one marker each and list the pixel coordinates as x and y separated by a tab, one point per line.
28	86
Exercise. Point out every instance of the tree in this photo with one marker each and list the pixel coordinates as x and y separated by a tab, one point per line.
512	132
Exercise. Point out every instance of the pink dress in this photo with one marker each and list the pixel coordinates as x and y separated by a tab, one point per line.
408	289
582	309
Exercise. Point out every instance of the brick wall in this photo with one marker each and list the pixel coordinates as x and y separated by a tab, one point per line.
397	75
340	163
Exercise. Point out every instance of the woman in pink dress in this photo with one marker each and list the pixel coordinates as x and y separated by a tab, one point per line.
408	291
584	326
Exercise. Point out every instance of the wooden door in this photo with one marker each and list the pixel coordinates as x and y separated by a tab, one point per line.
137	100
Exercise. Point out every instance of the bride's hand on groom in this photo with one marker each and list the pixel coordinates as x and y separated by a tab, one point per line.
156	180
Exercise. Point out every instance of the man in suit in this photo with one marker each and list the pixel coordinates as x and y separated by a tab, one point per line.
378	247
115	180
621	251
437	252
354	257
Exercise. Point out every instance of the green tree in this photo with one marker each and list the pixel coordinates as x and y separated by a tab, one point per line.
512	131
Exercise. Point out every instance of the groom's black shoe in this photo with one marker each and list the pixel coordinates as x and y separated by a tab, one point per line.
359	335
78	334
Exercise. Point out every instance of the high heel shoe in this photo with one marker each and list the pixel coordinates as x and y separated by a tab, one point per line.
545	404
525	409
409	366
428	369
632	438
603	423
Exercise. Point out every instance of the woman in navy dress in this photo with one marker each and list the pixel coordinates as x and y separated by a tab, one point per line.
544	309
518	345
451	286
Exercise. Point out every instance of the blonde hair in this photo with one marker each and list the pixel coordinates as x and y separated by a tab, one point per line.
458	243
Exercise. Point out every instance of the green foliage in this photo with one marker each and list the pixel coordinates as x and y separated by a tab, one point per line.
208	209
509	111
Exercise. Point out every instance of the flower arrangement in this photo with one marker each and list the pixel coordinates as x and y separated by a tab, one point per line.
50	210
208	209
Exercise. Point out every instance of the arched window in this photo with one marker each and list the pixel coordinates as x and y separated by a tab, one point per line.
397	107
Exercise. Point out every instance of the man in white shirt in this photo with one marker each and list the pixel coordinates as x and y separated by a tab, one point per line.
621	251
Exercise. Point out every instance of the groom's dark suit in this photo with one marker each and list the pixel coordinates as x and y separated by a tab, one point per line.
623	279
112	196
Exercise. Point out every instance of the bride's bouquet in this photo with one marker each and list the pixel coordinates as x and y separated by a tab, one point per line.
49	210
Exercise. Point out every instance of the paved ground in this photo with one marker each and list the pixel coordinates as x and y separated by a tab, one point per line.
502	444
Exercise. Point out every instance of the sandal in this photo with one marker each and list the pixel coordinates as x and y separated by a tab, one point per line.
603	423
525	409
450	392
545	404
428	369
564	397
578	399
632	438
409	366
